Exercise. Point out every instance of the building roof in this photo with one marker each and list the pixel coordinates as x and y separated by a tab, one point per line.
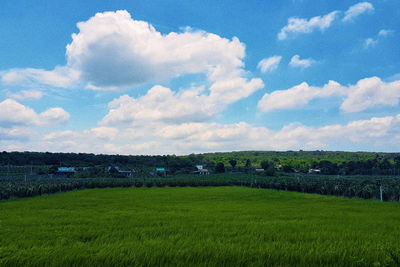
66	169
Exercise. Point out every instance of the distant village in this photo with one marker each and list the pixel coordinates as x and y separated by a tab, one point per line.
116	171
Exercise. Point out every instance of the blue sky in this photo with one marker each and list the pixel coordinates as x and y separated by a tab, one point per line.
176	77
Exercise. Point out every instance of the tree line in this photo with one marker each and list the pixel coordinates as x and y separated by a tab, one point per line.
332	163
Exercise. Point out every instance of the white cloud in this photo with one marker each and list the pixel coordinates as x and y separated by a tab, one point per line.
303	26
357	9
53	116
298	96
25	94
161	104
15	114
192	105
300	25
374	133
112	50
385	32
105	132
15	133
296	62
367	93
370	42
59	77
269	64
66	135
370	92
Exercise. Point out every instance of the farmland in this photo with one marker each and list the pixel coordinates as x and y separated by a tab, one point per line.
367	187
205	226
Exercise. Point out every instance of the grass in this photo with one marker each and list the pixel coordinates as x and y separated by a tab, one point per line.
204	226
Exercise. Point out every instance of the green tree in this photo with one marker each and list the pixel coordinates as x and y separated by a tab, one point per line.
248	163
265	164
269	168
233	163
53	169
220	167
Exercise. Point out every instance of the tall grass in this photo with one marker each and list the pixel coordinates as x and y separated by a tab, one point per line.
213	226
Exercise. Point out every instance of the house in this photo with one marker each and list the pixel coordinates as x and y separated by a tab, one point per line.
314	171
65	171
159	172
118	170
201	170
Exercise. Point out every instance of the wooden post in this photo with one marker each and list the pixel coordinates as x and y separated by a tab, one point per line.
381	192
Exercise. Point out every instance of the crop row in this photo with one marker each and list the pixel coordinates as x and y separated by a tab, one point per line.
364	187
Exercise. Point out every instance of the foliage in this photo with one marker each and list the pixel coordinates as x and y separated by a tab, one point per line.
220	168
248	163
348	186
329	162
233	163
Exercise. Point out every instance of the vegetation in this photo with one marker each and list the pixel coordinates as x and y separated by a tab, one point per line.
220	167
343	163
367	187
214	226
330	162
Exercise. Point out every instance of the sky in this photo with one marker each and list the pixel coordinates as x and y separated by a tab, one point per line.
181	77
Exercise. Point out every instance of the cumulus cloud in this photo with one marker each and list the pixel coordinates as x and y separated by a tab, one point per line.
192	105
113	51
105	132
370	92
161	104
185	138
269	64
298	96
300	25
52	116
367	93
25	94
371	131
296	62
15	133
356	10
15	114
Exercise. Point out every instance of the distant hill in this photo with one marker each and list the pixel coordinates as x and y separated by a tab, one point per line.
294	157
330	162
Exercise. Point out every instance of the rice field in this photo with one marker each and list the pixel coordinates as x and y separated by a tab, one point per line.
197	226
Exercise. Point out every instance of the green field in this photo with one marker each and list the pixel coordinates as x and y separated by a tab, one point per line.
206	226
